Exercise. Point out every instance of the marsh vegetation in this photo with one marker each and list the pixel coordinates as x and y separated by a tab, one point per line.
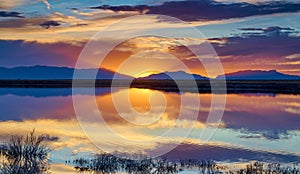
29	154
25	155
108	163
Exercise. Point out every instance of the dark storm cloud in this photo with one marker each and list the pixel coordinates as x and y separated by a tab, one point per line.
10	14
49	24
193	10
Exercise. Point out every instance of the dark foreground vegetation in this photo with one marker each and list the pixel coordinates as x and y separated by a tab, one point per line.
108	163
24	155
204	86
30	155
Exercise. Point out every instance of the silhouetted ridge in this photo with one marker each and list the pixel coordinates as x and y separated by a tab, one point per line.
39	72
178	75
259	75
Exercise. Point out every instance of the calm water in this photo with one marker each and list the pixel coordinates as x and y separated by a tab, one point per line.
262	127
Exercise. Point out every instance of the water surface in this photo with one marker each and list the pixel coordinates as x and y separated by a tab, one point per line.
263	127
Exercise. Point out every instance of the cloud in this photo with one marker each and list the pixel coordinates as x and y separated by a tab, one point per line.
256	48
293	56
57	137
252	1
10	14
51	138
47	4
265	48
231	154
7	4
11	4
293	110
33	24
279	119
139	8
49	24
72	28
274	28
265	42
190	10
269	135
270	31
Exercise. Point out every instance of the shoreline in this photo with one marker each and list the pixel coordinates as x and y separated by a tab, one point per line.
204	86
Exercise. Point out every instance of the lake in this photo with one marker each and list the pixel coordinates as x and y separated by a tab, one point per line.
264	127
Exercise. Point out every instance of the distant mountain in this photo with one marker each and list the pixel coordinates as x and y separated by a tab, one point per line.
54	73
259	75
178	75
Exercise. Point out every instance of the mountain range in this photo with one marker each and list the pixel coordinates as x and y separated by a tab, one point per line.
178	75
54	73
259	75
57	73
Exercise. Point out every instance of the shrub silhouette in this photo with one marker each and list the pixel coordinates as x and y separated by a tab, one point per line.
109	164
25	155
272	168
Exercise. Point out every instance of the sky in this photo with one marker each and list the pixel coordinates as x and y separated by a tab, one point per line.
239	34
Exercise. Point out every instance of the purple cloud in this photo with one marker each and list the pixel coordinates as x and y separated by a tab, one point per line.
232	154
10	14
49	24
191	10
272	43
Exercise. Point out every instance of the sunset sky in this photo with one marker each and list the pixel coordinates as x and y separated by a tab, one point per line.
139	38
246	34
